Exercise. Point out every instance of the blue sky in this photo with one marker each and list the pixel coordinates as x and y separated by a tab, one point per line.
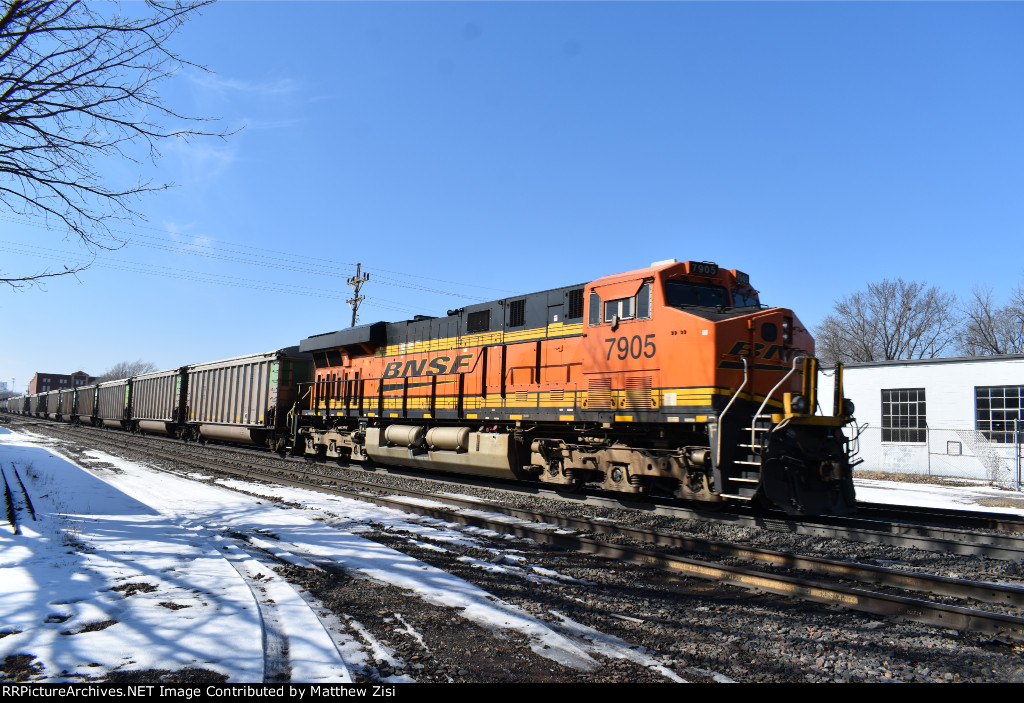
487	149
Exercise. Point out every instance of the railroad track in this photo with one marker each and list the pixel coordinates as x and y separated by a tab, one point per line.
870	529
943	517
831	581
996	536
11	499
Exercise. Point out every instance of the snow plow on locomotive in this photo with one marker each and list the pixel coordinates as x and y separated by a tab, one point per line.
671	378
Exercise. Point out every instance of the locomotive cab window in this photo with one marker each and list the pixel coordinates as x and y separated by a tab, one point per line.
595	309
643	301
624	308
681	294
744	300
634	307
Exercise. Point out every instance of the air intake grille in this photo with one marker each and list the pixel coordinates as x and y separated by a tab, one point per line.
638	392
599	393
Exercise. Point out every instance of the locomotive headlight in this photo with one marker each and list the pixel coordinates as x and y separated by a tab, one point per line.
798	404
847	406
787	330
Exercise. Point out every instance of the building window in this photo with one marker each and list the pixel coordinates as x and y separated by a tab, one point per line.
903	415
516	313
996	408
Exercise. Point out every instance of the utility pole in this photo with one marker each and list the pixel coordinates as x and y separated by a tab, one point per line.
356	282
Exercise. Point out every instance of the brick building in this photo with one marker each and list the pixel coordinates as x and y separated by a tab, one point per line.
43	382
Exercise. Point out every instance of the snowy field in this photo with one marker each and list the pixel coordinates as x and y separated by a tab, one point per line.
129	568
976	495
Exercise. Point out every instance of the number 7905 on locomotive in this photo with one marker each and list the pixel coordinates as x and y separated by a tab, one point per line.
670	379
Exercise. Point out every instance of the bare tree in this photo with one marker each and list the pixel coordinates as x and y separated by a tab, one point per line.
126	369
890	320
77	86
988	329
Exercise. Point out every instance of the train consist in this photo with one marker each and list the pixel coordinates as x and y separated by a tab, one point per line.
672	379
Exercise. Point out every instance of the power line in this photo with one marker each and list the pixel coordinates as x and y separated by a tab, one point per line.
211	278
287	261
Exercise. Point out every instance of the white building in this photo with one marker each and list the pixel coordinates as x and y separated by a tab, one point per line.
947	417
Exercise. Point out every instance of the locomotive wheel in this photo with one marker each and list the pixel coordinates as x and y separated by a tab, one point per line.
570	488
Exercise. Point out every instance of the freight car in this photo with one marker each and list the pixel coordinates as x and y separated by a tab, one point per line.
670	379
244	399
66	405
37	404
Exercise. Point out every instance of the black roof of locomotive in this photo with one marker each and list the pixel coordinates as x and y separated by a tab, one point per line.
539	309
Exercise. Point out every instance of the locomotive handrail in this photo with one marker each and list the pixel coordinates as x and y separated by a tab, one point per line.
718	450
753	424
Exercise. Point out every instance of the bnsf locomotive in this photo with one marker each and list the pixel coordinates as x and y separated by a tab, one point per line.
670	379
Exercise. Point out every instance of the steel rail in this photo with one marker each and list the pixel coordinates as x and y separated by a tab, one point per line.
24	492
972	519
12	513
940	540
922	611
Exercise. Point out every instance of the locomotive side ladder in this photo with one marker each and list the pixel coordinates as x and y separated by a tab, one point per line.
742	482
746	478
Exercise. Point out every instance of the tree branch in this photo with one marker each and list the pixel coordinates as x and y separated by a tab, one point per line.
75	87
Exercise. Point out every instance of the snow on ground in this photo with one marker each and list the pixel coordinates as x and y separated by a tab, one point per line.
130	568
980	497
102	581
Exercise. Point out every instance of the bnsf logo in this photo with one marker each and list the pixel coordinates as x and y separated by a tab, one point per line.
762	351
438	366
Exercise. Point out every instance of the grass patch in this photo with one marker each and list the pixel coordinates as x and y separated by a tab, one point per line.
19	667
130	589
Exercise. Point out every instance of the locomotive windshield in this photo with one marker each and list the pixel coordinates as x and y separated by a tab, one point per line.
744	300
681	294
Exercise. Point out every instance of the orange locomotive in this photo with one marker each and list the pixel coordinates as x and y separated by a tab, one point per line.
668	379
